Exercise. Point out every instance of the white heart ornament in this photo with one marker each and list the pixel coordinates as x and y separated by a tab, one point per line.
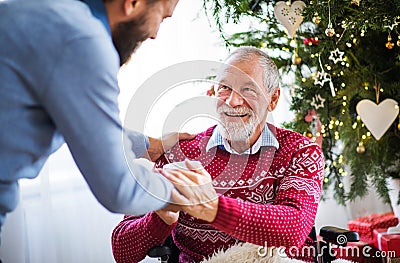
290	16
378	117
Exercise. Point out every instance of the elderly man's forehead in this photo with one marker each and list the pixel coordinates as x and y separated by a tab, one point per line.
232	70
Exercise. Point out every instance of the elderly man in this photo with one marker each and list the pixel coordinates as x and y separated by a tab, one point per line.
59	62
260	184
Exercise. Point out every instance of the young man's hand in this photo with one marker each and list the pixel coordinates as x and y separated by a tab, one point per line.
159	146
194	192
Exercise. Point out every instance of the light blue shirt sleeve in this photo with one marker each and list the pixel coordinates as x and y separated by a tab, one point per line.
81	99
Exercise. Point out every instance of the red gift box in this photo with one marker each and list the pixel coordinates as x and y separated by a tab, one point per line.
366	225
388	242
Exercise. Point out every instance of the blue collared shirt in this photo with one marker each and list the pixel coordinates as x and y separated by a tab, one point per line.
58	72
99	11
267	138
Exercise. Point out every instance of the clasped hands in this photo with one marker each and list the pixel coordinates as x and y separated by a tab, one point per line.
193	191
193	194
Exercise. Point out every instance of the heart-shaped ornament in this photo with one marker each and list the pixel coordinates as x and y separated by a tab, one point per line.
378	117
290	16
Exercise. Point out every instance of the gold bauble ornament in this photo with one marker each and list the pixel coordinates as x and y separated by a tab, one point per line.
330	31
398	126
360	148
389	45
355	2
309	134
316	19
296	60
398	42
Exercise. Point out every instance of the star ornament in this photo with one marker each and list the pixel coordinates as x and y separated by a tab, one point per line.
321	78
392	25
336	56
317	102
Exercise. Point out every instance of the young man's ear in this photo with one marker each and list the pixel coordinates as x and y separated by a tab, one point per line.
133	7
274	99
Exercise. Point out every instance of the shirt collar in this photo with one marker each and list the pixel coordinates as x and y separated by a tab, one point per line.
99	11
267	138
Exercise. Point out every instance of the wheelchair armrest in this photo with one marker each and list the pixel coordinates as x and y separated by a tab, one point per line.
162	252
338	236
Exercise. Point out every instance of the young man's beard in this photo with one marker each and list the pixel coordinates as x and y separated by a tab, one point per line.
238	131
127	37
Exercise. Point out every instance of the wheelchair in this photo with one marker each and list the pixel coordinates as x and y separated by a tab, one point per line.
331	236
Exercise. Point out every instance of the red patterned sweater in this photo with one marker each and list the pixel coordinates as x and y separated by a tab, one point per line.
269	198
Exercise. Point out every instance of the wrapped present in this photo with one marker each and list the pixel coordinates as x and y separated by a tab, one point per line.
388	242
366	225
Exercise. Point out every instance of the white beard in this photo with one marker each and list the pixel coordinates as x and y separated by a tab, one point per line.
238	131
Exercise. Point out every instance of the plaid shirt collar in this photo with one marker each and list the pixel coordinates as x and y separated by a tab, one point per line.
267	138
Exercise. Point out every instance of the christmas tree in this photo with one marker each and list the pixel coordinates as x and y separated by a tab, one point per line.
345	59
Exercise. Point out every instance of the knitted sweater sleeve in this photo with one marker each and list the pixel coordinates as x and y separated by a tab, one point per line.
133	237
286	222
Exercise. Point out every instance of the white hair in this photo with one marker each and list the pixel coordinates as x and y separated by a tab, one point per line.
246	53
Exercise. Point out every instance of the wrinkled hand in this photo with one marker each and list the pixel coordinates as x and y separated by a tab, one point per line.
196	194
157	147
169	217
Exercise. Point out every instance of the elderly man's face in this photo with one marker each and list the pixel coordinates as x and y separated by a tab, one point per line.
242	100
127	36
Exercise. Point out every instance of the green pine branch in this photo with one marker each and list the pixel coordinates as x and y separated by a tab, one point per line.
361	32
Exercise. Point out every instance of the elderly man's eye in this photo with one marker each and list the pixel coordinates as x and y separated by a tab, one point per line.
223	87
248	90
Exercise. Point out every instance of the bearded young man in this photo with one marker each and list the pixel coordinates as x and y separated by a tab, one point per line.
260	184
58	66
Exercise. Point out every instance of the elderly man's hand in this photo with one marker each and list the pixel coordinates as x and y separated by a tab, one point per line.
169	217
158	147
196	194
